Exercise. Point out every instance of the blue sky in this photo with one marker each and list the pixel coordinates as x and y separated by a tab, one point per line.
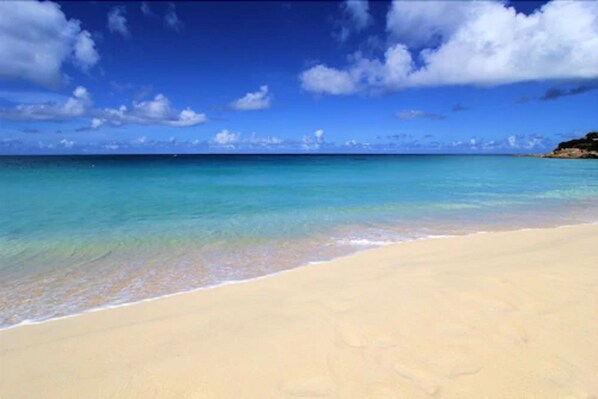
351	76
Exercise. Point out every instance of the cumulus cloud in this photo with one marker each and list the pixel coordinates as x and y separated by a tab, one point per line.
67	143
36	39
512	140
226	138
85	51
321	79
152	112
96	123
471	43
171	19
313	142
117	22
319	135
423	23
253	101
77	105
414	114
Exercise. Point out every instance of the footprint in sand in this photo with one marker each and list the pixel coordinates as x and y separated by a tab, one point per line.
351	334
513	334
421	379
456	364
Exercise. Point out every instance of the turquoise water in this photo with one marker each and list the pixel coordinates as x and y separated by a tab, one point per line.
78	233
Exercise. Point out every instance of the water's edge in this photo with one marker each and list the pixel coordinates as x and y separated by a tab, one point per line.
26	323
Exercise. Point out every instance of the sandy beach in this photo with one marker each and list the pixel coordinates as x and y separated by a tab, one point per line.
494	315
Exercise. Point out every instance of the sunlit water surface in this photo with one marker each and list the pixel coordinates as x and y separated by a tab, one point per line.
77	233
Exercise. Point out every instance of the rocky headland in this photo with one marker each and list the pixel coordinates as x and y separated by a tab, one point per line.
583	148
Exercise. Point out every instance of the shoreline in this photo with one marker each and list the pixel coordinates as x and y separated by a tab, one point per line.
495	314
25	323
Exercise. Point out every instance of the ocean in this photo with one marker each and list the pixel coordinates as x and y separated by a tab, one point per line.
84	232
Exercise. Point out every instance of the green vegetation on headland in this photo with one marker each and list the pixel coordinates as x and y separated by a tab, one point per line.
583	148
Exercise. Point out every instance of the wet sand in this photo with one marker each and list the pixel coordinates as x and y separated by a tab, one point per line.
495	315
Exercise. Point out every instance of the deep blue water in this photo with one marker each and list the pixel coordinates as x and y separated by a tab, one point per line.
82	232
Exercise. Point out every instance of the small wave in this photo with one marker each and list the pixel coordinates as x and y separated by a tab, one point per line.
364	242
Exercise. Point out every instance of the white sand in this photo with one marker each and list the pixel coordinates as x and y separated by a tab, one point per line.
499	315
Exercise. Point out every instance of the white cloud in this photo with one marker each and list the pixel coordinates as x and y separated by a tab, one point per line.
526	142
117	22
235	140
81	93
73	107
263	141
67	143
157	108
36	39
171	19
421	23
85	52
512	141
321	79
478	43
253	101
226	138
153	112
313	142
319	135
96	123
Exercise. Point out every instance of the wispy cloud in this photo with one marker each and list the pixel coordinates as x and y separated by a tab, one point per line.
117	22
554	93
356	17
146	9
415	114
171	19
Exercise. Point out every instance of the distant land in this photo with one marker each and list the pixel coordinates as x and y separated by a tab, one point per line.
583	148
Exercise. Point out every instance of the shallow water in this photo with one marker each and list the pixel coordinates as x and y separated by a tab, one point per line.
82	232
